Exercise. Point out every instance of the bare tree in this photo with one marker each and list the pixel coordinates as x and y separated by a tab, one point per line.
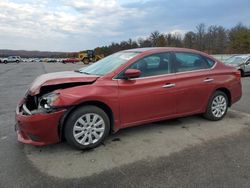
189	40
239	37
201	36
154	36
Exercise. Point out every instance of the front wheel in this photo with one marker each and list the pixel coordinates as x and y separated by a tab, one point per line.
85	61
87	127
217	106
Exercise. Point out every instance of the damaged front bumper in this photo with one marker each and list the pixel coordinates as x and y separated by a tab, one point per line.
37	127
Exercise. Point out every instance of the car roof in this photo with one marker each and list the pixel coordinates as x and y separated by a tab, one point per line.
160	49
242	56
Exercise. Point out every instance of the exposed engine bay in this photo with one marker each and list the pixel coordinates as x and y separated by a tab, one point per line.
41	103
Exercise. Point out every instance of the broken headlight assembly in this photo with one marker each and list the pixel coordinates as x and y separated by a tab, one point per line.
46	101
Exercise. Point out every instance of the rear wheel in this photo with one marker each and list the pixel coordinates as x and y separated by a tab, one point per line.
217	106
87	127
5	62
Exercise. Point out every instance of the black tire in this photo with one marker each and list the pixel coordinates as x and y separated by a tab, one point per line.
17	61
209	114
5	62
72	119
86	61
242	73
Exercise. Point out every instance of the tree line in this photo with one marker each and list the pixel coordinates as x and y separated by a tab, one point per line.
213	40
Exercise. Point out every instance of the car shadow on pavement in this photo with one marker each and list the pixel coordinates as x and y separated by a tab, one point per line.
156	127
133	144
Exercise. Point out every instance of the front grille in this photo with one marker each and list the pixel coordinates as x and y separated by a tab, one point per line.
31	102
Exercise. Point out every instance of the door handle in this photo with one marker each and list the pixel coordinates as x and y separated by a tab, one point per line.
168	85
208	80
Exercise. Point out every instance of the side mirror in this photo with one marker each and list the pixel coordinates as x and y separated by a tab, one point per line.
248	62
132	73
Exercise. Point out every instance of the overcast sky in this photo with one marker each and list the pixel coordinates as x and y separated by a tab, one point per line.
73	25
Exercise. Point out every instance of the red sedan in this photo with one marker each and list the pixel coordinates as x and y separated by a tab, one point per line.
128	88
71	60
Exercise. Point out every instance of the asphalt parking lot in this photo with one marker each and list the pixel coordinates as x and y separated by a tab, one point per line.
185	152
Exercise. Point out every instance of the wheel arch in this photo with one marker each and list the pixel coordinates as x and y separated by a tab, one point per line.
70	110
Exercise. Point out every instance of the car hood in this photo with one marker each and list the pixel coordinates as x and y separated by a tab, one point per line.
59	78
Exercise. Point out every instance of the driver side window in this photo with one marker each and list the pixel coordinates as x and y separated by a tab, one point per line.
152	65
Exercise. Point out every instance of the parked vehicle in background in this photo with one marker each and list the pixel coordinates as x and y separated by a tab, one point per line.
125	89
59	60
241	62
89	56
34	60
12	59
70	60
51	61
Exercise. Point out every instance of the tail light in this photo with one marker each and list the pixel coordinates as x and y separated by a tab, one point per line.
238	75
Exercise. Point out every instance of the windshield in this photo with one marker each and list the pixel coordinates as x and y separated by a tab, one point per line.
109	63
235	60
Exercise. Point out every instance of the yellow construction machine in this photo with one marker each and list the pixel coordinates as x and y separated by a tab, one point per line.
89	56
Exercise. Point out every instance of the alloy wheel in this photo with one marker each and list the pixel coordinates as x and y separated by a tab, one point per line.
219	106
89	129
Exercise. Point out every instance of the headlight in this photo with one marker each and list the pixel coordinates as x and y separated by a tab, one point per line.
46	101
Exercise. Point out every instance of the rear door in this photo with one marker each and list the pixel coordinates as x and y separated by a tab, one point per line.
150	97
194	82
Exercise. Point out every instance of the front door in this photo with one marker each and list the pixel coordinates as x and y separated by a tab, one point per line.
152	95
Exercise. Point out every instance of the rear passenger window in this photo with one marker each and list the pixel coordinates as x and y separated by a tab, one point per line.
209	61
189	62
